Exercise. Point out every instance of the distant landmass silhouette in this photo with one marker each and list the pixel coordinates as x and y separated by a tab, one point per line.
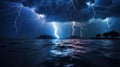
108	35
46	37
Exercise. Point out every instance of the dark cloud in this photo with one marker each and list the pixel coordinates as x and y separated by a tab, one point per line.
115	10
107	8
16	1
61	11
58	9
64	10
103	3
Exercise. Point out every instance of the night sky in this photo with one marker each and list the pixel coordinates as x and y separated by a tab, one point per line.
59	18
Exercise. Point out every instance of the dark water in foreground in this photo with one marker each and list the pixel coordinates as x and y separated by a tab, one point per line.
60	53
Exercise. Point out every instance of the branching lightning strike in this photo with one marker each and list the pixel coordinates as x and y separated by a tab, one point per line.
18	9
89	4
74	23
71	2
79	25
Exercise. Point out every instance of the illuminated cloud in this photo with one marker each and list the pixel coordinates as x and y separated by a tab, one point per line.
72	10
84	12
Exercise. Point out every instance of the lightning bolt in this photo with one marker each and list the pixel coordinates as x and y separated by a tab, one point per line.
79	25
89	4
71	2
42	18
81	28
18	9
74	23
106	20
15	22
73	29
56	30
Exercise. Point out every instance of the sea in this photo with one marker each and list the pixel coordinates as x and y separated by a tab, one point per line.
60	53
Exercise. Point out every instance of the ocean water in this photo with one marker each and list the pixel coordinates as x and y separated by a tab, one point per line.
60	53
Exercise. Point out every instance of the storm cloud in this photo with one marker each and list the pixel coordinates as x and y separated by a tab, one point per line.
72	10
97	16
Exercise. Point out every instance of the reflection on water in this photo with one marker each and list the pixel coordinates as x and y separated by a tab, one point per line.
60	53
68	47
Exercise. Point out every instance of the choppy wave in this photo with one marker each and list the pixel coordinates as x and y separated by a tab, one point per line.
60	53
